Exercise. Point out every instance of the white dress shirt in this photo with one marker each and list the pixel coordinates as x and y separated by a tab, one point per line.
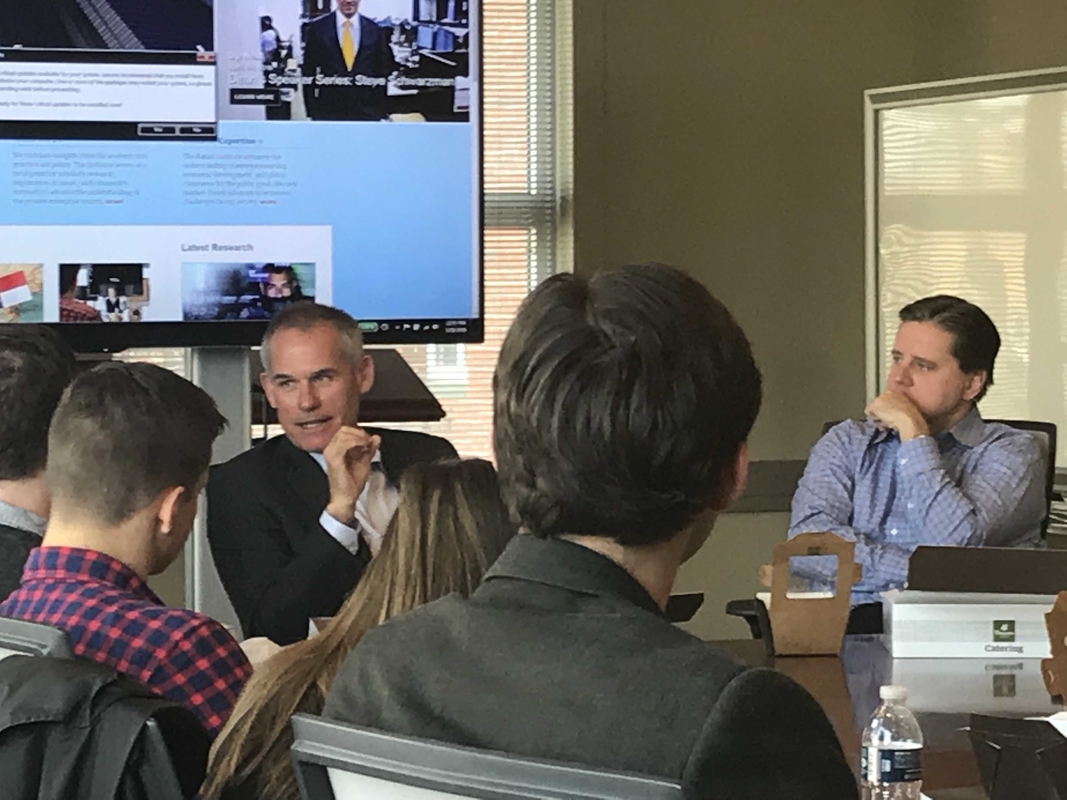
374	509
356	28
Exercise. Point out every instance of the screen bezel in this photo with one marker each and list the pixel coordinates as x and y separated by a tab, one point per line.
103	337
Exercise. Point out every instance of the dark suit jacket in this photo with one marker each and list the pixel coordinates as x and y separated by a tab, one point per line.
561	654
278	565
15	547
322	56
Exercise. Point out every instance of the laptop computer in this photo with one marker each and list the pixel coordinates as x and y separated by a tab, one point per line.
997	570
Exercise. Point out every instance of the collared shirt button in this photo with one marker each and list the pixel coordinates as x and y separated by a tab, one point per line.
893	532
903	461
911	505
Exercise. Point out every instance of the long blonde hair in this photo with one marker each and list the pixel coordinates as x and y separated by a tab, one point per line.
449	526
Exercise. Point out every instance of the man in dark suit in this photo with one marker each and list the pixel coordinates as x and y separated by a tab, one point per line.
347	59
622	407
293	522
35	367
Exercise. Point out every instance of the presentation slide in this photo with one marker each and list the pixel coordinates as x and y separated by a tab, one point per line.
314	150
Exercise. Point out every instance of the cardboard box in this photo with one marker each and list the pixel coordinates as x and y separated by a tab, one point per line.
966	625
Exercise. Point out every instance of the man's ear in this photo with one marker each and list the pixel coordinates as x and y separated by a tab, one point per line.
365	374
169	503
736	479
268	388
975	383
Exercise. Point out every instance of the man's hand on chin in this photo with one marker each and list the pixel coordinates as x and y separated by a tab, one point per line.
348	458
894	411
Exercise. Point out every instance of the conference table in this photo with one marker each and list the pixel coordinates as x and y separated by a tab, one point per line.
942	693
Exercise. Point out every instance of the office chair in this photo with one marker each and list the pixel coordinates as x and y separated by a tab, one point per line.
19	637
1045	435
334	761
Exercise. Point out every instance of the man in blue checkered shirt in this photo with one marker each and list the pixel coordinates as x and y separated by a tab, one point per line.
924	468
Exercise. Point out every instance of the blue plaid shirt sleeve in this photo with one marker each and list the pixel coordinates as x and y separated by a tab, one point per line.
1006	483
823	502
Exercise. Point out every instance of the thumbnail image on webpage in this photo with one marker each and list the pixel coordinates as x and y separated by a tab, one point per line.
224	291
103	292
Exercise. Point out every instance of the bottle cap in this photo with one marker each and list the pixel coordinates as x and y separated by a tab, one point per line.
896	693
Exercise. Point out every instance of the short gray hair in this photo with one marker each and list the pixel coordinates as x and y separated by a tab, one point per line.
304	316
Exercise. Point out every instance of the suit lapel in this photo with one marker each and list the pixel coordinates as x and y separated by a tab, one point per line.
305	477
364	63
333	45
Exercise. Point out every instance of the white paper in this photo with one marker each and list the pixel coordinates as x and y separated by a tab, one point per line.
1057	721
765	597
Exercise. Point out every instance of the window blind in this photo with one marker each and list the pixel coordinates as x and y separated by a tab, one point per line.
527	91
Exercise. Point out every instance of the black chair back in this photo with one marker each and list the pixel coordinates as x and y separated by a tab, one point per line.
19	637
1045	434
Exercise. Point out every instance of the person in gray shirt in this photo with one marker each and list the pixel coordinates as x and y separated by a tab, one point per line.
622	408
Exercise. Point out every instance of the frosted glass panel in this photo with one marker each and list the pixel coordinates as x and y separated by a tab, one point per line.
972	202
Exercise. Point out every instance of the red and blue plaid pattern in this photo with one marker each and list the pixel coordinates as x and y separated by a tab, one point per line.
112	617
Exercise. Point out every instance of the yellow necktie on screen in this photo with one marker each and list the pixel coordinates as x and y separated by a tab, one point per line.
348	47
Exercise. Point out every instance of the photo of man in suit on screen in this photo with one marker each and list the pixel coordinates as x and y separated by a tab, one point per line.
347	62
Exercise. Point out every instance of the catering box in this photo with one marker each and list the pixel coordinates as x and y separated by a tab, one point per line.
923	624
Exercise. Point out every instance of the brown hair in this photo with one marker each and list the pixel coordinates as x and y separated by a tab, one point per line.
122	434
450	525
975	340
620	404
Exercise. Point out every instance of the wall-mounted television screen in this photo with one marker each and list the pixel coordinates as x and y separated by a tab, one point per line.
192	167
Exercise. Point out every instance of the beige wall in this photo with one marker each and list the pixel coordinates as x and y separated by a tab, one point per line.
727	138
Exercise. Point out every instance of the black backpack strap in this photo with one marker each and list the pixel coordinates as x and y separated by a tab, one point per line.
116	730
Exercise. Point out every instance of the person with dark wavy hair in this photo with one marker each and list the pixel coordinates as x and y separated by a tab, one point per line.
924	467
622	407
35	367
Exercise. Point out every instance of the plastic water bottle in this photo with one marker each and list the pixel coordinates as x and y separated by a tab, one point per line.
891	755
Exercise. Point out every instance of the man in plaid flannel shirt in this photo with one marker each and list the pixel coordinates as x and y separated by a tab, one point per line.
129	448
